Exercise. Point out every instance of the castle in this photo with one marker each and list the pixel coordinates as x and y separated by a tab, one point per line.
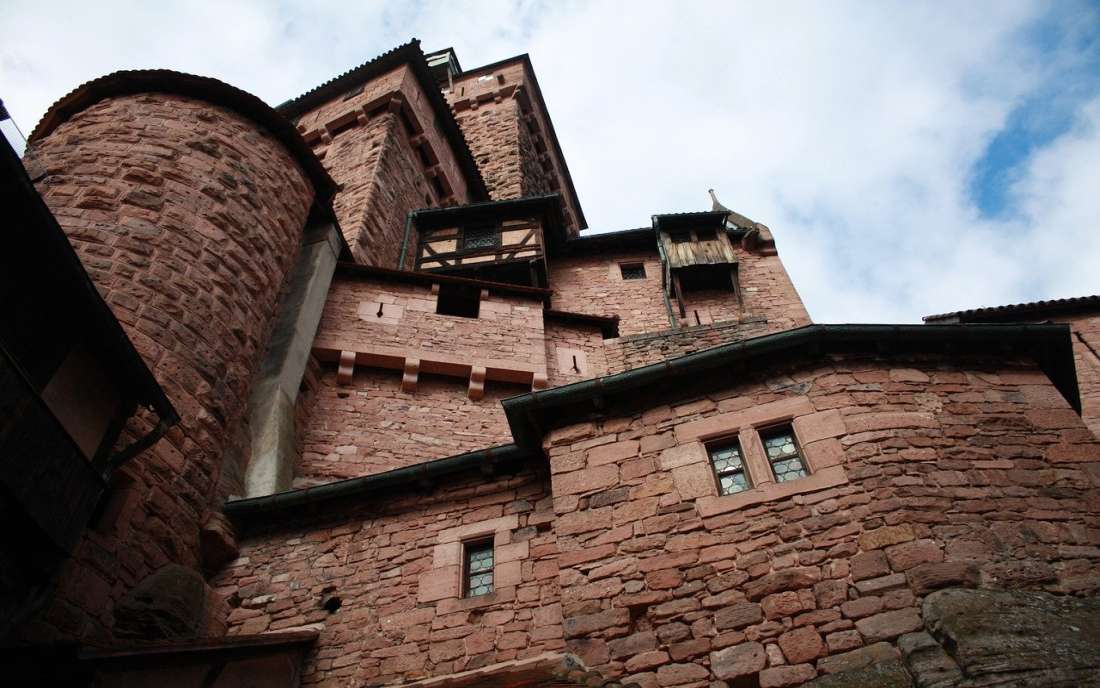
338	393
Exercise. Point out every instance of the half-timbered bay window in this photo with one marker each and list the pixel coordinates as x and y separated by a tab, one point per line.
478	568
729	467
783	453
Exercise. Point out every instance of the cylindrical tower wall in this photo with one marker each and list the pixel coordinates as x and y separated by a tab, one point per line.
188	216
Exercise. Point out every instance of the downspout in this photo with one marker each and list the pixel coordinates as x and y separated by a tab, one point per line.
665	279
405	241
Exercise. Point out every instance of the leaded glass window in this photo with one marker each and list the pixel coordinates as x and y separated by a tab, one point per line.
634	271
479	568
783	454
729	468
480	237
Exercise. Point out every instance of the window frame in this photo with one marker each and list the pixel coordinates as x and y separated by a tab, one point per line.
482	230
784	428
469	548
624	267
721	444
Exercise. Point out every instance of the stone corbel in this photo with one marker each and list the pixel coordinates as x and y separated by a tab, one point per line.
346	370
538	381
476	390
411	375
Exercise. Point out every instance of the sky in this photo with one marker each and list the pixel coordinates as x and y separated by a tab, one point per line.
910	158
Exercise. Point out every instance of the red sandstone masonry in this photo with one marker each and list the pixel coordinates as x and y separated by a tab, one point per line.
392	565
593	284
371	425
925	474
187	218
564	341
507	334
510	135
366	144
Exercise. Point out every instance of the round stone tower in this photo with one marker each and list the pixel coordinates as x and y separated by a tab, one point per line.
186	200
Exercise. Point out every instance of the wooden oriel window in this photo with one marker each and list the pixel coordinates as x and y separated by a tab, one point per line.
784	454
477	568
729	467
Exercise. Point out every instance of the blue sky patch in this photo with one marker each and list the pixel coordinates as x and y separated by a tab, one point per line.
1067	49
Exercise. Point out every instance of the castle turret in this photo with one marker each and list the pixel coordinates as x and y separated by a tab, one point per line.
186	200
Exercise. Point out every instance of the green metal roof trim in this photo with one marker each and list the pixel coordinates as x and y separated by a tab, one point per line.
350	269
410	54
531	415
254	512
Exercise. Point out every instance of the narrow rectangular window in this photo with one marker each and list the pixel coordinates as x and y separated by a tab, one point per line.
784	454
707	234
680	236
633	271
478	566
729	467
459	300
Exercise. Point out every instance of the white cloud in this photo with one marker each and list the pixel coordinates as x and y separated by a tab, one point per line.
850	129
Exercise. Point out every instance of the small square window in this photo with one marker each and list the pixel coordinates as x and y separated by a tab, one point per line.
634	271
478	569
729	467
458	300
480	237
784	454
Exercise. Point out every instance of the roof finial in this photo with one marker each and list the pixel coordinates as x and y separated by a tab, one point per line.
715	205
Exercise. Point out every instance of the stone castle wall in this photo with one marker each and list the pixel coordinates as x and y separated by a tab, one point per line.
925	474
371	425
393	564
187	217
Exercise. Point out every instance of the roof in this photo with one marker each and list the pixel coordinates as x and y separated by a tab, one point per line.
410	54
582	223
1027	311
207	89
607	324
628	239
533	414
668	221
34	237
421	277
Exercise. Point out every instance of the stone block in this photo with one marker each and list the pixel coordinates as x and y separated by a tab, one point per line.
739	660
801	645
889	625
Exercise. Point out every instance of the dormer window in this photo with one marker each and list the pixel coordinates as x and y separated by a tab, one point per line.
480	237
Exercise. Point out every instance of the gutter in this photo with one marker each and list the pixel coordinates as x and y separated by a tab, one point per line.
250	510
405	242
